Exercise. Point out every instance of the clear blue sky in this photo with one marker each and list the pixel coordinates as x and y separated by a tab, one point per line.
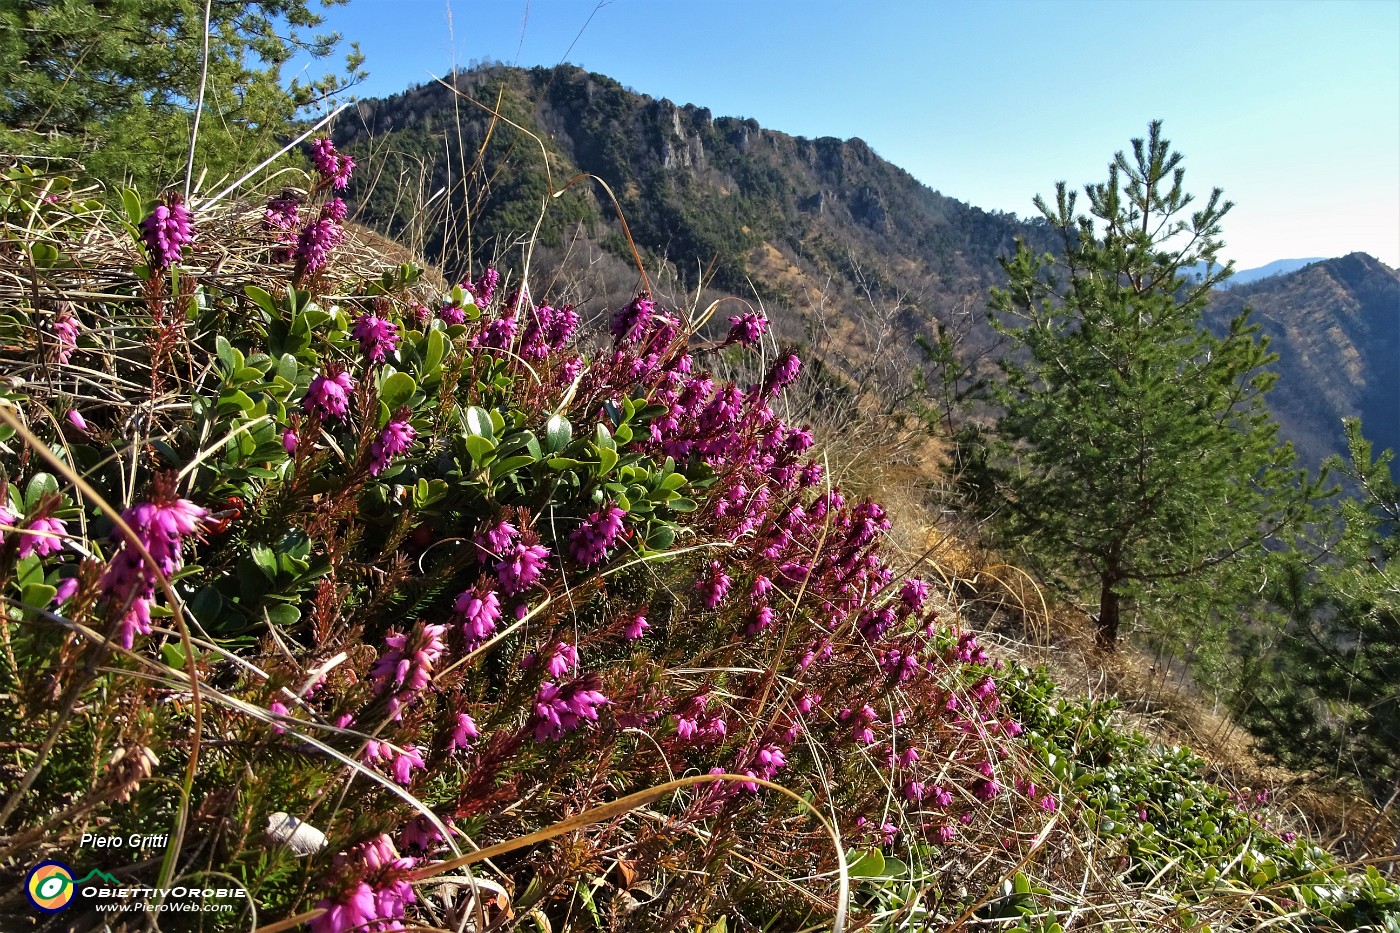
1292	107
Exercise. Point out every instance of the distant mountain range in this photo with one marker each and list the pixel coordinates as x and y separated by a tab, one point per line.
845	250
1277	267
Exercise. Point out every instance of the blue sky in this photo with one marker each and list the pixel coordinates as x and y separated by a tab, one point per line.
1292	107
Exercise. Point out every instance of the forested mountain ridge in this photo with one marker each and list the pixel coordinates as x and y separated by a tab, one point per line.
815	228
1335	326
822	230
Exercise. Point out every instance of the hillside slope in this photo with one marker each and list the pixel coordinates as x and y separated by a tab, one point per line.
1335	325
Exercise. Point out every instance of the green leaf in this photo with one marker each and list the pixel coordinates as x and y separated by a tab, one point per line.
682	504
283	615
397	389
478	422
38	595
174	655
135	210
607	459
870	864
261	298
509	464
288	368
224	350
265	560
434	352
40	484
673	481
661	538
480	448
557	433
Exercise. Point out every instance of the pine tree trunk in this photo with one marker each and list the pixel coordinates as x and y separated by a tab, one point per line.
1108	614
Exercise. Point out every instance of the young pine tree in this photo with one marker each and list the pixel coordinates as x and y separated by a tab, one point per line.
1140	458
1332	699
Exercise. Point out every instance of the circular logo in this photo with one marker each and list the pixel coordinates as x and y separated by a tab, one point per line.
49	886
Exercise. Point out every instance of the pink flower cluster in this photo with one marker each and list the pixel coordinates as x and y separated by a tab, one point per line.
378	894
330	163
167	230
328	395
378	336
406	668
560	709
41	534
395	439
129	582
590	542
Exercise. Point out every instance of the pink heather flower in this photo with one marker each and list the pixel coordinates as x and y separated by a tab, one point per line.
281	213
329	394
913	593
356	910
1013	728
401	763
783	373
378	337
314	244
451	313
46	538
860	722
332	166
334	210
76	420
808	702
630	322
746	328
762	620
985	789
406	668
485	286
714	585
166	231
913	791
636	627
521	565
1289	837
64	590
908	757
396	438
480	609
562	659
419	834
495	538
278	708
560	710
942	796
289	440
128	582
464	733
1048	803
8	519
589	542
66	328
947	834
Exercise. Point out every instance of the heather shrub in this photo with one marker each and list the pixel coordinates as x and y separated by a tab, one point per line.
334	580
